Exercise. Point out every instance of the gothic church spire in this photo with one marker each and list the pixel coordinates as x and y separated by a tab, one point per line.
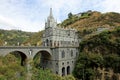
50	20
51	12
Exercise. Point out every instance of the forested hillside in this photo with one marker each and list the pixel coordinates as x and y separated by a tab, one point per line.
34	40
20	38
99	57
13	37
104	43
90	21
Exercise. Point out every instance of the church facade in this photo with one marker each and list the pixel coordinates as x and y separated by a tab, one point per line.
64	45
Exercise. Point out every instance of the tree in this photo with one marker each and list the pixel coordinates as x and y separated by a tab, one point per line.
86	64
114	60
70	15
40	74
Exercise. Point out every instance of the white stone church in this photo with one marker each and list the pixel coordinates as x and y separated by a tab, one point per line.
64	44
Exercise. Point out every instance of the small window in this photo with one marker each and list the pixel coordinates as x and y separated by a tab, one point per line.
50	62
56	72
76	54
68	34
47	42
72	61
63	54
67	62
56	63
71	53
50	42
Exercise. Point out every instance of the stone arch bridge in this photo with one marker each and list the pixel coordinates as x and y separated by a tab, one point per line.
29	53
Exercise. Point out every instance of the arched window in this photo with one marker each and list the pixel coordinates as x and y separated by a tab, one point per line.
63	54
50	42
58	43
63	71
76	54
71	53
55	43
47	42
43	43
68	70
61	42
56	72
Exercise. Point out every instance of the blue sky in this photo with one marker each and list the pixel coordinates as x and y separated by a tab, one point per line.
30	15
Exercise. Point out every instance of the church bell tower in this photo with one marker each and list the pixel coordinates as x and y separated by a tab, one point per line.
50	20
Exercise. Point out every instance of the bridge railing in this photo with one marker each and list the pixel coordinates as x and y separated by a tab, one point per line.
21	47
35	47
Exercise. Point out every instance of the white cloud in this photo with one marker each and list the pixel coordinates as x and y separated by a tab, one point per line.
24	24
62	7
111	6
18	13
7	23
29	15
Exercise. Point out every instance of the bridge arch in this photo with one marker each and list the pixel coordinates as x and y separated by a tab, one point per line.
42	59
21	56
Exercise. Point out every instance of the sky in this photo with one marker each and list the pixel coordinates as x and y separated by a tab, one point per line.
30	15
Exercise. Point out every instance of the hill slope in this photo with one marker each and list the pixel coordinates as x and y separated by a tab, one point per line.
35	39
13	37
107	42
99	57
90	21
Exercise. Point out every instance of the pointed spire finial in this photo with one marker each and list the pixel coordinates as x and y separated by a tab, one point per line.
51	12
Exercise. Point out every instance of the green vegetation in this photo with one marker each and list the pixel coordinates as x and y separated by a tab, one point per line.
106	42
13	37
98	51
87	65
74	18
71	19
20	38
40	74
90	21
10	68
35	39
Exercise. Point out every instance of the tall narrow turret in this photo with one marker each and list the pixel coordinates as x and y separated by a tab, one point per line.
50	20
51	12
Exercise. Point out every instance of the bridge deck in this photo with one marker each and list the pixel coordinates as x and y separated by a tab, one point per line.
22	47
34	47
